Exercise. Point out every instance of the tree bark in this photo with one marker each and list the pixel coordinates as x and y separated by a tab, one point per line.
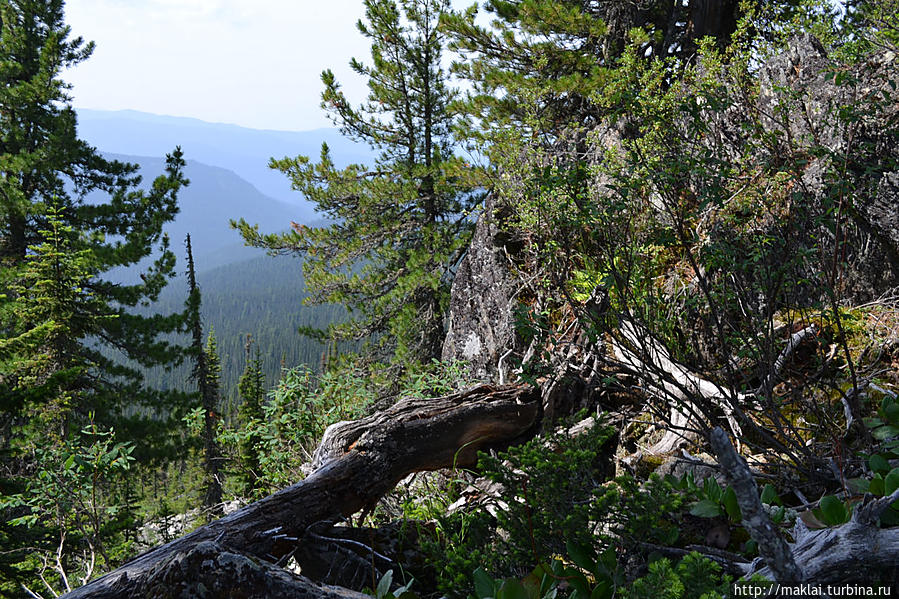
358	462
772	547
858	551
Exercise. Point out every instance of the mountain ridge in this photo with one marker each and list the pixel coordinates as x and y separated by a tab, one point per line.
244	151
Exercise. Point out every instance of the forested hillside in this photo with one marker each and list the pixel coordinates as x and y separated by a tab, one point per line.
612	312
206	206
261	297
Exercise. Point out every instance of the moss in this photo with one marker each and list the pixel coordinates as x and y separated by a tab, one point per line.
647	465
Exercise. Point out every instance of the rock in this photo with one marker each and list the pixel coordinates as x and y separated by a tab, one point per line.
480	317
882	211
701	467
798	94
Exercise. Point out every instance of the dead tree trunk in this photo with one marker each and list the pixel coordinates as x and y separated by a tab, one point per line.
857	551
357	464
687	394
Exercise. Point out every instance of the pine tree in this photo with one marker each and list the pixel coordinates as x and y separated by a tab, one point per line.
557	54
71	345
206	373
252	393
42	162
399	227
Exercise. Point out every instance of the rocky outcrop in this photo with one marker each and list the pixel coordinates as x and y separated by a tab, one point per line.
480	312
798	95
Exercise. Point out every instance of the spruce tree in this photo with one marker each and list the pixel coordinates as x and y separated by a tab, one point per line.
398	228
43	163
51	507
206	372
252	394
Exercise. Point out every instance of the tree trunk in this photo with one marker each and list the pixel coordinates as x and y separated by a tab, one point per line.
357	463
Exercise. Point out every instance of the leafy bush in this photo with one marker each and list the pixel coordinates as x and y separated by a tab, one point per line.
294	417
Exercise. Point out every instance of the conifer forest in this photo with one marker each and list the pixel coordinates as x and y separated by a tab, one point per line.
610	311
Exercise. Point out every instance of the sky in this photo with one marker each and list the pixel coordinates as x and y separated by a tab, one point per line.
254	63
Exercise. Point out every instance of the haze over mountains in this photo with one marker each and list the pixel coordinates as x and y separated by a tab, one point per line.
244	291
228	170
244	151
216	195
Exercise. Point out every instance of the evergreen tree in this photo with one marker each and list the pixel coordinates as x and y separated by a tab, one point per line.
206	373
557	54
52	506
67	217
53	311
398	228
41	159
252	393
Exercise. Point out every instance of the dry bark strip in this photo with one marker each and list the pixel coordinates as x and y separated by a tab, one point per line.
772	547
358	463
858	551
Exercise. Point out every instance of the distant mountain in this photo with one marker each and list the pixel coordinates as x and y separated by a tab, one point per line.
244	291
244	151
214	196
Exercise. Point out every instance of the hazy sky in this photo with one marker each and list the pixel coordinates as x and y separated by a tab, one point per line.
254	63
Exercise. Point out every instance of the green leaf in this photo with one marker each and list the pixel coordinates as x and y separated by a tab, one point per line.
878	464
770	496
484	586
833	511
603	590
608	561
512	589
675	482
538	582
706	509
731	506
891	411
885	432
69	461
778	516
876	486
578	581
873	422
384	584
859	485
712	489
582	555
891	481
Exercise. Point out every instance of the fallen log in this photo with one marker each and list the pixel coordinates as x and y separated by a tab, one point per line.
687	394
772	547
358	463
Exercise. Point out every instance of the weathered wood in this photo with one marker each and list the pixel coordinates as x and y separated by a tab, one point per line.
772	546
683	390
638	351
210	570
358	463
858	551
